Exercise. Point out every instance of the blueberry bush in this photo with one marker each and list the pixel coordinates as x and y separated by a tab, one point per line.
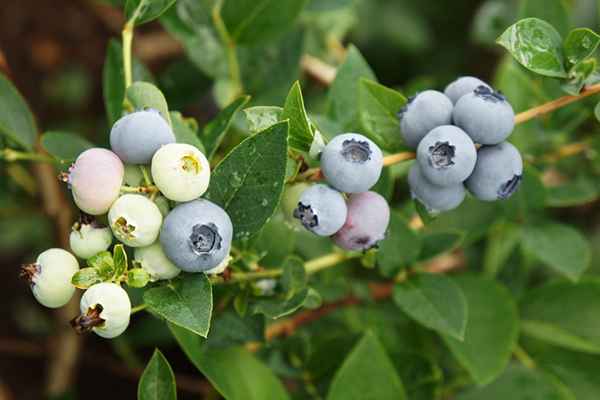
306	201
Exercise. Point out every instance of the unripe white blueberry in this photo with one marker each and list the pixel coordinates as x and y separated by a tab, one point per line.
50	277
289	202
221	267
152	259
180	171
95	180
105	309
87	240
135	220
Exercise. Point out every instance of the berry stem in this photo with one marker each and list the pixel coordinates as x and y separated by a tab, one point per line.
127	36
140	189
141	307
145	174
11	155
232	60
525	358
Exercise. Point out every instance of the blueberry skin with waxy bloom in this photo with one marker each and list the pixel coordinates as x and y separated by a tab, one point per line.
497	174
462	86
446	155
423	112
442	198
321	209
196	236
351	163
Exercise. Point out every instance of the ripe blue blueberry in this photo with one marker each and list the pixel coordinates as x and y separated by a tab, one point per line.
434	197
463	85
423	112
289	202
446	155
321	209
196	236
351	163
137	136
485	115
135	220
497	173
366	223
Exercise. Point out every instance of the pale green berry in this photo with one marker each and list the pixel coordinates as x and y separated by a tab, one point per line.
135	220
152	259
87	240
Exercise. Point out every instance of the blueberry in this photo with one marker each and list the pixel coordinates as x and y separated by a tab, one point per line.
95	180
196	236
321	209
89	237
446	155
423	112
289	202
442	198
135	220
351	163
485	115
137	136
105	309
366	223
497	173
463	85
180	171
152	259
50	277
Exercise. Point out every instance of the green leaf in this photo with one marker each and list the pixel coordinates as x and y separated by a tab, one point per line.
329	4
537	46
578	373
143	94
343	93
16	120
262	117
85	278
492	328
517	383
256	23
294	276
401	247
213	133
421	376
103	263
564	314
114	79
249	328
64	145
137	277
554	12
301	136
435	301
157	381
141	11
367	373
185	301
314	300
580	44
235	373
427	215
561	247
183	132
378	107
277	307
573	193
436	243
119	259
531	195
578	76
249	181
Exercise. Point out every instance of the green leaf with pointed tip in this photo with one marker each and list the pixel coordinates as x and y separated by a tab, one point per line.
421	376
554	12
294	276
234	373
249	328
378	107
564	314
64	145
401	246
213	133
561	247
436	243
537	46
183	132
492	328
580	45
367	374
301	136
16	120
249	181
185	301
119	259
257	23
435	301
137	277
85	278
103	263
343	92
142	11
427	216
143	94
260	118
277	307
157	381
314	300
578	75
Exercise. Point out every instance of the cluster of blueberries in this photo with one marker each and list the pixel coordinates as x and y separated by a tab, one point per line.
195	235
444	128
351	164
